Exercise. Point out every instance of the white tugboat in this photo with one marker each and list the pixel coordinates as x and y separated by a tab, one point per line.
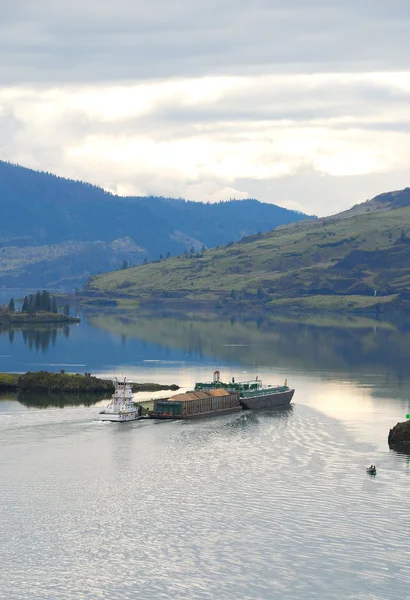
121	408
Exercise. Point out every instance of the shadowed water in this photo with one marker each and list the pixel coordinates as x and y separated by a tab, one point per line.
257	505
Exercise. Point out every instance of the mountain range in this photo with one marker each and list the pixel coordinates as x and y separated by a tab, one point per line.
57	232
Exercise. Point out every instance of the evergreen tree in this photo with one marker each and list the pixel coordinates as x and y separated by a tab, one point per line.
66	310
124	264
145	260
12	306
45	301
31	309
38	301
54	307
24	308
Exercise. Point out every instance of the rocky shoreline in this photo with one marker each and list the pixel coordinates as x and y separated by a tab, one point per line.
399	437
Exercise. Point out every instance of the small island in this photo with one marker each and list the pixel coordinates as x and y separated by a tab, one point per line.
39	308
68	383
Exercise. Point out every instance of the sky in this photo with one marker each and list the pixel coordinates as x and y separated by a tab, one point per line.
303	103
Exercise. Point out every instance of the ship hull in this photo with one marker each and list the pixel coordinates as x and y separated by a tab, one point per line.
118	418
211	413
267	400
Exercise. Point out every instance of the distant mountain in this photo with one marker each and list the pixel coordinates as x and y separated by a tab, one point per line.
355	260
57	232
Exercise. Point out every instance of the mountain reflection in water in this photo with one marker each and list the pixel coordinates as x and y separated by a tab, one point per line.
148	346
328	343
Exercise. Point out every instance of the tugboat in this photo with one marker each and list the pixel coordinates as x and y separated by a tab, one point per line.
253	394
121	408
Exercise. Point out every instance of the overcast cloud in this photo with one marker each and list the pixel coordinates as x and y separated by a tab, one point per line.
302	103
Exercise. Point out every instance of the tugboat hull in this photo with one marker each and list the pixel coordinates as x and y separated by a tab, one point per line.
118	418
267	400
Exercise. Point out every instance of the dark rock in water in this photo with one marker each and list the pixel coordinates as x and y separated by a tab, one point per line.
399	437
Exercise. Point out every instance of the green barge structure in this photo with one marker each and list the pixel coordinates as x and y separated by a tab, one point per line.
195	404
253	394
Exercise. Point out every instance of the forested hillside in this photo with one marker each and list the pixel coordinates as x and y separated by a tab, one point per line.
58	232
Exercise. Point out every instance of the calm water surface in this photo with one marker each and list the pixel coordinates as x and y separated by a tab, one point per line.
260	505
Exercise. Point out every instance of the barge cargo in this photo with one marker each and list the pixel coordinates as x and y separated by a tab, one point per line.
197	404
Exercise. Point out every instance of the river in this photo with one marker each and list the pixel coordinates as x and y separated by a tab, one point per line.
256	505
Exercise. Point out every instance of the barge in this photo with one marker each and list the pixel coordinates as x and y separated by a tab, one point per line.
195	404
253	394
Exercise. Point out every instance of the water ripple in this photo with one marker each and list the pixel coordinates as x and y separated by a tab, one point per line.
253	506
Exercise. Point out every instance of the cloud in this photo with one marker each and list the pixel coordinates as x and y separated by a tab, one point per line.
199	138
134	39
290	101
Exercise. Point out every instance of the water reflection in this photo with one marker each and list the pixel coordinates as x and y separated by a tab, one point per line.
175	347
37	338
43	400
317	343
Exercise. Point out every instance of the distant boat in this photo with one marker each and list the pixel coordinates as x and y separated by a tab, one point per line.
371	470
253	394
121	407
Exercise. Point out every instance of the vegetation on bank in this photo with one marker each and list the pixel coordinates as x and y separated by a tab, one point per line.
360	258
44	381
69	383
40	307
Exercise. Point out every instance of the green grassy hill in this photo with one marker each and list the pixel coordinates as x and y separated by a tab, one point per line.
349	255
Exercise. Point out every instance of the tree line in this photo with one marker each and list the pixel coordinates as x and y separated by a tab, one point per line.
40	302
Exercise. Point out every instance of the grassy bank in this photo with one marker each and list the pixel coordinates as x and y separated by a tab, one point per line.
17	319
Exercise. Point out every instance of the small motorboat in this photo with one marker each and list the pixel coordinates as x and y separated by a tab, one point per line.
371	470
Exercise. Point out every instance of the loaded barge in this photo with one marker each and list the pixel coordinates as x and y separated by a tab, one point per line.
194	404
253	394
207	400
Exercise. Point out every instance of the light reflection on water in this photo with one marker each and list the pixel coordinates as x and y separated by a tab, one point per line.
257	505
239	506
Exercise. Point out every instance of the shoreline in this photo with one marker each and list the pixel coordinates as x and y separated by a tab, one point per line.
69	383
347	304
8	321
